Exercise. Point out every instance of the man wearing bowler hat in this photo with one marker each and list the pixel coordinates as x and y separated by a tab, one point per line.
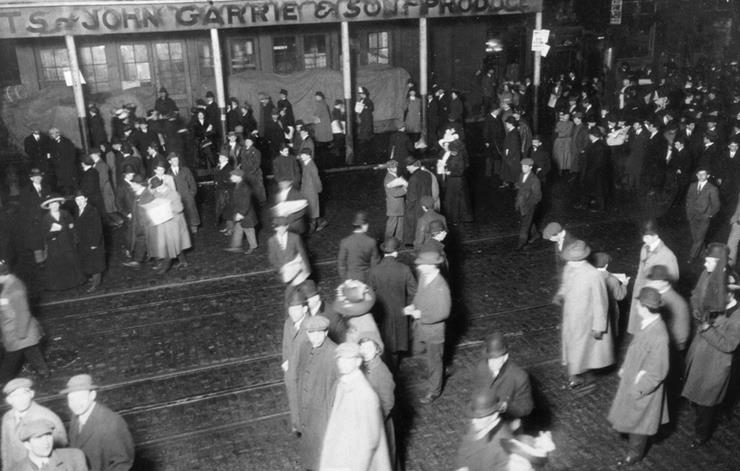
395	200
314	376
430	309
481	449
674	308
395	287
528	196
358	252
37	437
639	407
503	380
420	184
586	336
99	432
19	396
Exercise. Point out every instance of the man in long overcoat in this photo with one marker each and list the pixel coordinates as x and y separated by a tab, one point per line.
283	248
653	252
63	162
420	184
358	252
512	153
586	338
355	433
709	365
187	188
89	235
90	184
294	335
395	201
311	188
595	170
285	166
528	196
99	432
395	288
30	198
640	405
315	375
423	225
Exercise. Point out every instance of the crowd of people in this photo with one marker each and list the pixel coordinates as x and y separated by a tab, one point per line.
341	358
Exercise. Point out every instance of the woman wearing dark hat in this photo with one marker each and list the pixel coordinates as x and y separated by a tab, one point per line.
452	167
62	269
168	236
90	244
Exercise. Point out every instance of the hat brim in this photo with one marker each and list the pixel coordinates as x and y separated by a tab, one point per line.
348	309
385	249
480	413
45	204
576	257
437	260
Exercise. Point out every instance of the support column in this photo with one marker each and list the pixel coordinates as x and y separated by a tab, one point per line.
219	78
77	90
537	79
423	74
347	82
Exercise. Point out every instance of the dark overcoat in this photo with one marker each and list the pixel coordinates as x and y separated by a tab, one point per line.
105	439
395	287
90	244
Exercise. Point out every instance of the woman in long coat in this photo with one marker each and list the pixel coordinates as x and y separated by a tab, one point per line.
562	147
90	245
62	268
586	337
412	115
168	239
321	120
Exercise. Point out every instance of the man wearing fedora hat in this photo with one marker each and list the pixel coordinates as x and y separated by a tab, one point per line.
294	334
430	309
594	174
243	213
314	376
562	238
674	308
99	432
358	252
480	448
586	336
395	287
355	433
653	252
19	396
30	198
311	187
512	153
702	203
639	406
528	197
423	234
38	440
503	380
37	147
63	162
395	200
709	363
419	185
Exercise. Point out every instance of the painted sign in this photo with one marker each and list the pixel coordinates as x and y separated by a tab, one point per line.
94	18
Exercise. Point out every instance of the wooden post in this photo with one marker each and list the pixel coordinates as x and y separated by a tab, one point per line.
423	75
219	78
77	90
537	79
347	82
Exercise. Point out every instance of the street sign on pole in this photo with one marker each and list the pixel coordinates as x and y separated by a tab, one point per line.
615	14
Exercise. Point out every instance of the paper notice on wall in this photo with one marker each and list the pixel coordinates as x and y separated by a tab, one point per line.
540	37
68	77
545	49
126	84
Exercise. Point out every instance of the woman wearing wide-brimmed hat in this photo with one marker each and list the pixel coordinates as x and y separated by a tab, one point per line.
352	305
62	268
586	337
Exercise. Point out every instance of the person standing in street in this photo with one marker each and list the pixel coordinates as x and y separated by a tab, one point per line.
709	364
244	214
99	432
21	332
38	440
19	396
616	289
430	309
423	225
481	446
640	407
528	197
90	242
187	188
420	185
358	252
702	203
586	337
395	202
294	334
311	188
395	287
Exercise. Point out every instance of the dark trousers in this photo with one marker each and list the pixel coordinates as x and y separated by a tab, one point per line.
527	229
698	226
637	445
704	421
435	367
13	361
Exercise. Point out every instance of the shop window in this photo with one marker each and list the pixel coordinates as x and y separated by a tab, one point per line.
170	56
54	61
135	64
284	54
314	52
242	54
205	60
94	67
9	73
378	49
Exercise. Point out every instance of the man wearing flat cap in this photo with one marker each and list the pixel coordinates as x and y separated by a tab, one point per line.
19	396
99	432
395	287
37	438
358	252
355	434
419	185
503	380
480	448
639	407
430	309
586	336
423	233
314	376
528	197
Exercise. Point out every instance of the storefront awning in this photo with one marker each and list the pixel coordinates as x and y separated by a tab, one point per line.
45	19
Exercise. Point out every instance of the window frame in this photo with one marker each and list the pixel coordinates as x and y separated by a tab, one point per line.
255	64
375	51
41	68
92	78
316	55
150	58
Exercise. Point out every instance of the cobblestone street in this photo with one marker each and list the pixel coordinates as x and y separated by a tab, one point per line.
191	358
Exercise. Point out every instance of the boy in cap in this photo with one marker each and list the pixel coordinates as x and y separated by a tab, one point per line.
528	197
639	407
19	396
99	432
616	289
430	309
355	433
395	202
314	376
358	252
37	437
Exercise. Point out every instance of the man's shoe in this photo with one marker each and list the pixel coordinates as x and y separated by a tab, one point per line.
429	398
131	264
698	443
249	251
233	249
630	460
